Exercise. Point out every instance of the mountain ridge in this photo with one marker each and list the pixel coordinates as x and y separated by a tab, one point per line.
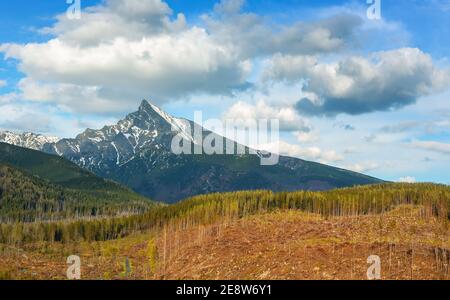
136	152
27	139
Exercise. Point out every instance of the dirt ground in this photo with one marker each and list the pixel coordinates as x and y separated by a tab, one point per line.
279	245
293	245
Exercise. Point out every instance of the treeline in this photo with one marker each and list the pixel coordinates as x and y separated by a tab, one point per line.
25	198
230	206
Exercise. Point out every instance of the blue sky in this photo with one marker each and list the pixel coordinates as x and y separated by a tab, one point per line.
369	95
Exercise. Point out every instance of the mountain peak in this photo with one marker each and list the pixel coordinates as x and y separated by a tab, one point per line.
137	152
144	105
169	122
150	110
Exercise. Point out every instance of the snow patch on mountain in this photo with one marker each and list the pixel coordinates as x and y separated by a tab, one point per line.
27	139
181	126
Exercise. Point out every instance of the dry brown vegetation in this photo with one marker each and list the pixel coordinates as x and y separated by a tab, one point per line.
281	244
295	245
248	235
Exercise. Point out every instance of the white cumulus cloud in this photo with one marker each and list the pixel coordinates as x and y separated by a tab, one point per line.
407	179
387	80
288	117
309	153
433	146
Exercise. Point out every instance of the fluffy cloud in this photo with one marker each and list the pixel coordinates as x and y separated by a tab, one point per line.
7	98
30	122
357	85
126	50
77	98
160	66
229	7
288	116
401	127
252	35
309	153
123	51
362	167
306	136
19	116
438	147
3	83
426	127
130	19
407	179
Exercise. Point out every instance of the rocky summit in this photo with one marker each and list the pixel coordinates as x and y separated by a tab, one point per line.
137	153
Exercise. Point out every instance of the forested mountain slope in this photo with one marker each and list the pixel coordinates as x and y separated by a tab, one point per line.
37	186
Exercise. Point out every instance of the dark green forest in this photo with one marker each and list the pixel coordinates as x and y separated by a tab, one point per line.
53	169
207	209
25	198
46	198
35	186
